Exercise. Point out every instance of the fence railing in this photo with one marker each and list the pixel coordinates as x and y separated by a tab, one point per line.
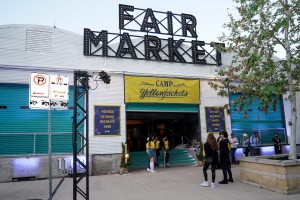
18	144
266	135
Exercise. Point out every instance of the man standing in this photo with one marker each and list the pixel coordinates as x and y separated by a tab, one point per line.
277	144
255	144
233	144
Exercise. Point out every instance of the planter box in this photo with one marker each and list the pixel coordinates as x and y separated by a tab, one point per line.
282	176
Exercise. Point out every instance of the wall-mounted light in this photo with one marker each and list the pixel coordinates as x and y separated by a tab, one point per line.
104	77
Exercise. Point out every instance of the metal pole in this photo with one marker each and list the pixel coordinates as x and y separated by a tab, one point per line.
87	140
74	137
49	153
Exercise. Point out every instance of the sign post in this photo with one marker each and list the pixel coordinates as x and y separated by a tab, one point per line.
49	92
50	154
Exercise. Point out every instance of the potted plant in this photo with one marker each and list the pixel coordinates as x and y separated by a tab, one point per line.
200	156
125	160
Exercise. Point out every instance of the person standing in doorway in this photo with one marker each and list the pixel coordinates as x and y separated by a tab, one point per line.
211	151
167	150
151	153
157	149
255	144
147	151
245	144
277	144
233	144
224	145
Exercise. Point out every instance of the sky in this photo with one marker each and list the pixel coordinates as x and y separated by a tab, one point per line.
97	15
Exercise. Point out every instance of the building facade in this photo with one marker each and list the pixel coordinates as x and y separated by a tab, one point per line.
30	48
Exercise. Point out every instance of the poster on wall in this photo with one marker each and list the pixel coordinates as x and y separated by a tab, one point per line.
107	120
215	120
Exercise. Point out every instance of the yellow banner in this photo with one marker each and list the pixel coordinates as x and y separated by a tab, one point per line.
161	90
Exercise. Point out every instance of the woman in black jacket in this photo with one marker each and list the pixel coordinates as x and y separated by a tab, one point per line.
211	152
224	157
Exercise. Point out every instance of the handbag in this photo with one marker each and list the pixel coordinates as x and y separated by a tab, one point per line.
210	160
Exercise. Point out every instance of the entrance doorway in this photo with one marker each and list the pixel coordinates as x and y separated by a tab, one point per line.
141	125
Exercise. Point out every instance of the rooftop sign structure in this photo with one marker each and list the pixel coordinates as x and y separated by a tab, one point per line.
149	46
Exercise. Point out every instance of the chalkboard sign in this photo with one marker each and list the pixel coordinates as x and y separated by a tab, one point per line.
107	120
215	120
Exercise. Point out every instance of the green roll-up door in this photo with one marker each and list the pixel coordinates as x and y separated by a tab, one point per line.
148	107
257	120
25	131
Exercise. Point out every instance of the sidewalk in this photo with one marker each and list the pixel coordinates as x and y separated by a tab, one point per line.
182	183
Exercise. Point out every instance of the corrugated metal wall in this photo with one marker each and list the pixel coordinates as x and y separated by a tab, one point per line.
25	131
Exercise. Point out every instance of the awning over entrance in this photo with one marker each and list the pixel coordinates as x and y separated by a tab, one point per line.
152	107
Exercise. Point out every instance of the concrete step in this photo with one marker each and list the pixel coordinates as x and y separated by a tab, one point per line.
177	157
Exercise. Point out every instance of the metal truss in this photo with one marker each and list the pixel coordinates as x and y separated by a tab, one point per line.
81	90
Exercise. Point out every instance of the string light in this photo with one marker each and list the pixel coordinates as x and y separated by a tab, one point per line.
188	27
154	49
146	24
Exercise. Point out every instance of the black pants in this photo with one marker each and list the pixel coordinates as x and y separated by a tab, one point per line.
225	168
246	150
213	171
167	157
255	151
278	149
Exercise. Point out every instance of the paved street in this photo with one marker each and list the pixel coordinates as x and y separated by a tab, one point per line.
170	183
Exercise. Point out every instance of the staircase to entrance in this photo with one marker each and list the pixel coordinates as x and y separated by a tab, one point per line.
177	157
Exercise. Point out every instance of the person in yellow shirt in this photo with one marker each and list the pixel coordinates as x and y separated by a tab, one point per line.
157	149
147	151
167	149
151	152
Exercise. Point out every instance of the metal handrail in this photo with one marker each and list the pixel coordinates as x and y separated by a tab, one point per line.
184	137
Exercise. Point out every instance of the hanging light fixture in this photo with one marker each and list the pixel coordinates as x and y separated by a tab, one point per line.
104	77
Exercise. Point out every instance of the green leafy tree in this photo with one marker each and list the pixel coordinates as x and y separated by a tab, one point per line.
263	26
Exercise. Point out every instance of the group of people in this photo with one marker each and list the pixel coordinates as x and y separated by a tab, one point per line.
253	144
153	146
211	148
218	152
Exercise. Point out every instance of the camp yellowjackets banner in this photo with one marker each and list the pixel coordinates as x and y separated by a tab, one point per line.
161	90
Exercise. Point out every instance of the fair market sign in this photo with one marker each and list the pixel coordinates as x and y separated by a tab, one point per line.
180	44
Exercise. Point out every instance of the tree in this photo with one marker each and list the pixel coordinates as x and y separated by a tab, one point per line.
263	26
